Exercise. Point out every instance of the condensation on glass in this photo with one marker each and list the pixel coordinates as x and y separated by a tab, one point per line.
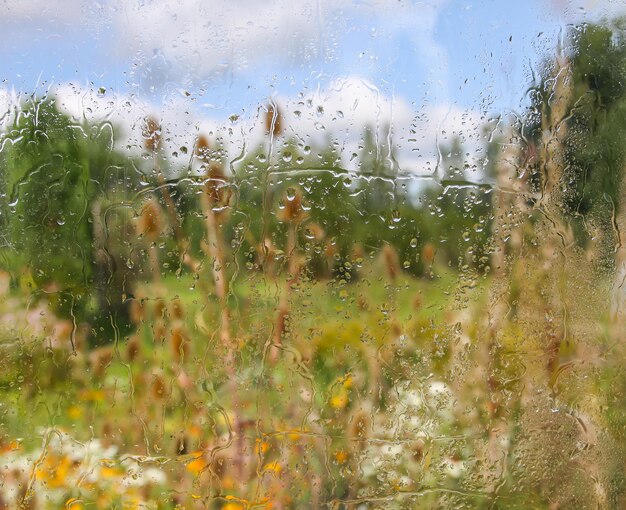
343	255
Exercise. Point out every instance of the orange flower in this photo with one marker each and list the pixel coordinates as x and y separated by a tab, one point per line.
197	465
341	456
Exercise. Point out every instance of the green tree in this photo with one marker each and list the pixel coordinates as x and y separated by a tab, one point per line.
63	182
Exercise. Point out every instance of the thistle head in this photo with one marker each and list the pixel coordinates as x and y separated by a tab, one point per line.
273	120
151	134
391	261
292	210
202	148
150	223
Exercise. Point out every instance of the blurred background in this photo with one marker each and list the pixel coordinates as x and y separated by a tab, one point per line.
345	255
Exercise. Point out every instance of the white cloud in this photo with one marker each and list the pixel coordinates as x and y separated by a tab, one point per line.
337	114
576	11
219	36
208	38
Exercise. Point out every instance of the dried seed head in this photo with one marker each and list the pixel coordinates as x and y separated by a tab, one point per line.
216	186
417	301
152	134
202	148
150	223
360	425
316	231
176	309
158	387
159	307
137	311
100	359
273	120
132	349
391	261
267	249
428	253
160	332
179	343
293	210
357	253
330	248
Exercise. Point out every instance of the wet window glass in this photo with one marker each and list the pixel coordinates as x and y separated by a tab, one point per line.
301	255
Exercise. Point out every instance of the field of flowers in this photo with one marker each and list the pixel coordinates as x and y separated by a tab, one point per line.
275	330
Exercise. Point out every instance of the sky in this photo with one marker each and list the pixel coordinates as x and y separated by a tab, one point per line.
432	69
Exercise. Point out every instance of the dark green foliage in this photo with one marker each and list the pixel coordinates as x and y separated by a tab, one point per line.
595	122
54	173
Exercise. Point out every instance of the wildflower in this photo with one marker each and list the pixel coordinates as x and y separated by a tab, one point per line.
74	412
108	472
55	470
341	456
273	467
198	464
74	504
339	401
233	506
91	395
261	447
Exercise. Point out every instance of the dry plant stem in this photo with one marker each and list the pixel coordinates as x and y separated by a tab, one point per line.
215	250
170	206
283	305
553	166
619	281
154	262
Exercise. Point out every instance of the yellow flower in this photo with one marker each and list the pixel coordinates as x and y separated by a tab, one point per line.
197	465
341	456
74	412
110	472
92	395
233	506
54	471
234	503
339	401
74	504
273	467
293	435
261	446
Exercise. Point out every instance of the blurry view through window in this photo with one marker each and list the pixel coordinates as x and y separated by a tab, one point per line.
313	254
